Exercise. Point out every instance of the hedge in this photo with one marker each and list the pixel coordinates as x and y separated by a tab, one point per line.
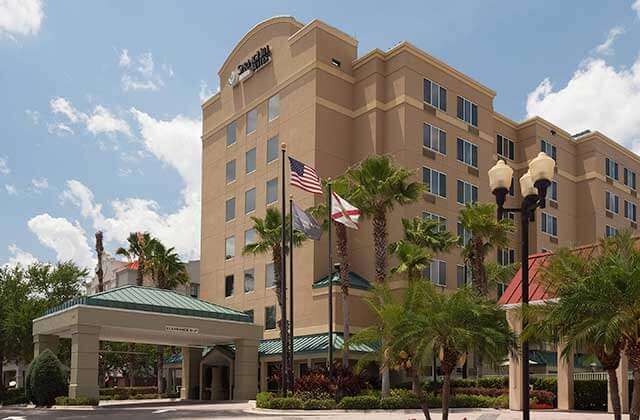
326	404
360	402
590	395
47	379
126	392
76	401
14	396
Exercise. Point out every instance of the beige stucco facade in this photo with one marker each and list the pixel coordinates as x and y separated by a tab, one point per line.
337	107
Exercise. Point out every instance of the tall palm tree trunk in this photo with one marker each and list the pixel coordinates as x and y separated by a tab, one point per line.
634	412
417	391
99	252
131	360
446	392
160	368
343	257
614	394
277	264
380	250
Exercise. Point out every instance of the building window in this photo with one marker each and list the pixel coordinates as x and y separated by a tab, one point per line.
508	215
272	190
194	290
231	133
270	317
467	193
249	200
274	107
610	231
434	139
249	236
442	221
501	288
229	247
230	209
252	120
467	111
467	152
269	276
505	147
231	171
463	275
249	313
611	202
250	160
436	182
228	285
272	149
506	256
435	95
549	224
630	178
611	168
553	191
464	235
630	210
437	272
249	280
549	149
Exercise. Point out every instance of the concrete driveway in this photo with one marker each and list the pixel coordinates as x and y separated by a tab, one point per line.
244	410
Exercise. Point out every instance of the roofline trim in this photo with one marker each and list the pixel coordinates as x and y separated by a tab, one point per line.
409	47
597	135
316	23
257	27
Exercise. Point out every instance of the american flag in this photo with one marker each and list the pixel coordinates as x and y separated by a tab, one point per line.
304	177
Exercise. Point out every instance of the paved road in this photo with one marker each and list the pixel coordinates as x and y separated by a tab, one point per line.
191	410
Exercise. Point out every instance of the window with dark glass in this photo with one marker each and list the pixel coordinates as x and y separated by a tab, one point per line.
229	247
437	272
630	210
611	202
269	276
252	120
549	149
463	275
610	231
272	149
250	200
506	256
549	224
553	191
435	95
250	160
249	312
435	181
467	111
270	317
274	107
249	236
464	235
467	193
231	133
467	152
194	290
228	285
230	171
249	280
272	190
230	209
442	221
611	168
630	178
434	139
505	147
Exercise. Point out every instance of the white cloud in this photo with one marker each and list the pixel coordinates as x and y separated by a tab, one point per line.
11	189
177	143
19	257
4	166
605	47
62	106
33	115
20	17
636	6
205	92
100	121
68	240
103	121
125	60
40	183
598	97
144	75
59	129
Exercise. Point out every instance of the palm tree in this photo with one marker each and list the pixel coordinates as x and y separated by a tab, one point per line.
428	233
138	249
412	259
167	272
450	325
269	231
377	186
487	233
99	253
341	187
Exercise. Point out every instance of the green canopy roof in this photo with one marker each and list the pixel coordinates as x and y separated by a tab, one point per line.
316	343
150	299
356	281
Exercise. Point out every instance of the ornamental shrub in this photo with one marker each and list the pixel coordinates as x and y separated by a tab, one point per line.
76	401
590	395
487	392
546	383
326	404
14	396
497	382
314	384
399	402
263	399
544	397
47	379
359	402
286	403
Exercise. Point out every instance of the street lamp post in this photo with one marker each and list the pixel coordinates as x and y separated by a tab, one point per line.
533	186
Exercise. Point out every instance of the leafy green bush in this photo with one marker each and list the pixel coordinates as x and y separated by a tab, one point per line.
544	397
14	396
125	392
546	383
76	401
47	379
487	392
263	399
359	402
327	404
313	395
286	403
398	402
494	382
590	395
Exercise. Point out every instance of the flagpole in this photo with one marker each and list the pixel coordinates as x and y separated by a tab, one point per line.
291	336
330	281
283	281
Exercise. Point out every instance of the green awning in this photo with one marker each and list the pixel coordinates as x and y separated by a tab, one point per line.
150	299
356	281
316	343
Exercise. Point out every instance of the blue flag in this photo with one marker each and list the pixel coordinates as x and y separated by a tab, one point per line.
306	224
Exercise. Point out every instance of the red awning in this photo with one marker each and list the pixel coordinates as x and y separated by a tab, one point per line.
537	291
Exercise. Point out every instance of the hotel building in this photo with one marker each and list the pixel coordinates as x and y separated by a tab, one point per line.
307	86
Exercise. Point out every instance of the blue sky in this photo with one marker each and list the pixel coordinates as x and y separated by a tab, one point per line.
100	100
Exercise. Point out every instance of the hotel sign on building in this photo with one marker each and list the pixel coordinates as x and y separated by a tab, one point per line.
246	69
